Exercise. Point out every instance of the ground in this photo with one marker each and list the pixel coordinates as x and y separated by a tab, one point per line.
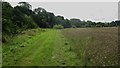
64	47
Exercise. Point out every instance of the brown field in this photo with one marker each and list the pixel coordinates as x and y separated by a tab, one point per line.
94	46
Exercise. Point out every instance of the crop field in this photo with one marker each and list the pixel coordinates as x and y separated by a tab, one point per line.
95	46
63	47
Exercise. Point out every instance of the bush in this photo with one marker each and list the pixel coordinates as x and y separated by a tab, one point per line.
58	27
5	38
73	26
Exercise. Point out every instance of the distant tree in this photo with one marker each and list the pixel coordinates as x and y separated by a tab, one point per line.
83	23
39	10
106	24
25	4
112	24
41	18
99	24
73	26
67	24
117	23
59	19
76	22
21	17
51	19
30	22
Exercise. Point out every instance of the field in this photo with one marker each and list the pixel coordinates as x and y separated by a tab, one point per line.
95	46
64	47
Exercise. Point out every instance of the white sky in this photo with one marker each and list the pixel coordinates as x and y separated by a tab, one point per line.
95	11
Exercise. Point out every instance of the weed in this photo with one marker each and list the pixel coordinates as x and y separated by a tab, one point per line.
11	49
22	45
66	43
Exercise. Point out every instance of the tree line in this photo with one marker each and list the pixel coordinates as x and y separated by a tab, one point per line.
22	17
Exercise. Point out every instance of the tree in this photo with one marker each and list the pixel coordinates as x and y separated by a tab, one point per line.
41	18
25	4
39	10
30	22
117	23
75	22
59	19
51	19
7	18
90	24
21	17
7	23
99	24
66	23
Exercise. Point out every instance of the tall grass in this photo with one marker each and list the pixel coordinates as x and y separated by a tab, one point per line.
94	46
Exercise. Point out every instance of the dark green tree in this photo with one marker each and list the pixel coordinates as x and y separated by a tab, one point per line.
75	22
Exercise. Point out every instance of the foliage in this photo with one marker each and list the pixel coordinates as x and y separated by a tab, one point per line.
58	27
21	17
15	20
25	4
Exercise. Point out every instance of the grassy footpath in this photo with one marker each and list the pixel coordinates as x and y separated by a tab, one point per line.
49	47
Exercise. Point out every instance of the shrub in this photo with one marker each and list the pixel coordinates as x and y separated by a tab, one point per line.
58	27
5	38
73	26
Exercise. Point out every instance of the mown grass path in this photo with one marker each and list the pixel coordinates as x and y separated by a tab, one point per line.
49	48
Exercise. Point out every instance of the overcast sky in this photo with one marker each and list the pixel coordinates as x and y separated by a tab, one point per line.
95	11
